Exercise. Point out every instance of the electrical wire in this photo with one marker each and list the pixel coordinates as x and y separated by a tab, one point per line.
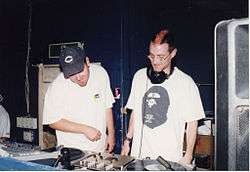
123	128
27	85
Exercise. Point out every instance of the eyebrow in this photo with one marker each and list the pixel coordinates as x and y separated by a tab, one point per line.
157	54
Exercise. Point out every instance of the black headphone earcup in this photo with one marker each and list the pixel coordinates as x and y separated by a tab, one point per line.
156	77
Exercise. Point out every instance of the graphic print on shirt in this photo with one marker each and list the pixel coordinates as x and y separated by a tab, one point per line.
155	106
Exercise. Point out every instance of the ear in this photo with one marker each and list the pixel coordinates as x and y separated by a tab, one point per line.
173	53
148	62
87	61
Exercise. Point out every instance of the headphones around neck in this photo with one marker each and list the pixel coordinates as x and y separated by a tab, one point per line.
158	77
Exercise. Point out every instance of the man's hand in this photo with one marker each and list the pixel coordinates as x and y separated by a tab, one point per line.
110	142
125	148
92	133
186	159
73	127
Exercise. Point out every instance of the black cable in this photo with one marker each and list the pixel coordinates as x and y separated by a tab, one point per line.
165	163
57	161
27	84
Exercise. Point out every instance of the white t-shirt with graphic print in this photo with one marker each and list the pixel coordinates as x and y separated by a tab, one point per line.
166	108
86	105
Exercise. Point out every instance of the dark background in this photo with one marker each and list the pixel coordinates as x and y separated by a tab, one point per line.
116	33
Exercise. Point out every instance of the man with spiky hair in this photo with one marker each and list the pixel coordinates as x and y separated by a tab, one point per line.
163	99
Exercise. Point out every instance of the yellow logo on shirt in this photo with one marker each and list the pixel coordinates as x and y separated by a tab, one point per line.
96	96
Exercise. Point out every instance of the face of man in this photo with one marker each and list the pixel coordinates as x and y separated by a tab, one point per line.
81	78
160	57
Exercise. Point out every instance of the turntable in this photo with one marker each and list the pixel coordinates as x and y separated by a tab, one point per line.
75	159
159	164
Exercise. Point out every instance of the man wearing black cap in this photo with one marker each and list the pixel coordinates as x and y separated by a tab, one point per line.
78	104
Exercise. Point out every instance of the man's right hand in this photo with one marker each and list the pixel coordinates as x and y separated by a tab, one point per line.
125	148
73	127
92	133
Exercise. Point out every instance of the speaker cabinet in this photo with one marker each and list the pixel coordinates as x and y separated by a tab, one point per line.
232	95
46	75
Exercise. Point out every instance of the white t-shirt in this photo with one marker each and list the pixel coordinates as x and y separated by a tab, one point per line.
4	123
86	105
167	107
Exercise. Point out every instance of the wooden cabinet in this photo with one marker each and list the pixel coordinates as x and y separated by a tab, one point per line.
204	151
204	144
204	147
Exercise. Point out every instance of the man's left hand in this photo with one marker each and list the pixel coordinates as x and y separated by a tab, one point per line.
110	143
186	159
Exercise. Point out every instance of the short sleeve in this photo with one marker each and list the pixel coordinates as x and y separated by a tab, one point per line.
109	98
54	108
131	99
194	109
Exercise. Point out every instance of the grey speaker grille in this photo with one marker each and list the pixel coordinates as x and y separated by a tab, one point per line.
243	139
242	61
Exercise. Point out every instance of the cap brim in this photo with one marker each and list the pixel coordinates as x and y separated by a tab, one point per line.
71	70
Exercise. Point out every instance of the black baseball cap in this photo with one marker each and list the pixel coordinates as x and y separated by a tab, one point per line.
72	60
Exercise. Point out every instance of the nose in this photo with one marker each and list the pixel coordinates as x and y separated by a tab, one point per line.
79	76
156	61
